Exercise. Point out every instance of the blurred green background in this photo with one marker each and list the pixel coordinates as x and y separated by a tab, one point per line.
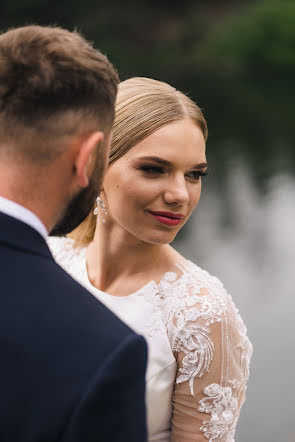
236	59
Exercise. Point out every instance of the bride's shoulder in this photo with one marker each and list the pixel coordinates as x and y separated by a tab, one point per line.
194	290
197	279
64	251
190	277
193	294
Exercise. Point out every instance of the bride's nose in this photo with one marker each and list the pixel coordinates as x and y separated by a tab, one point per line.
176	191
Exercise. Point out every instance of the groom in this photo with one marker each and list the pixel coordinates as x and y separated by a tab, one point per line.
70	370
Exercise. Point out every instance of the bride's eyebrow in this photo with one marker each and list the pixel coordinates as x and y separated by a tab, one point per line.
155	160
167	163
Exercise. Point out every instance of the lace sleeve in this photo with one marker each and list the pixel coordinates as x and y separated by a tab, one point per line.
209	341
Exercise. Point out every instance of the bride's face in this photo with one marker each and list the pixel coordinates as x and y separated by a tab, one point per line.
152	190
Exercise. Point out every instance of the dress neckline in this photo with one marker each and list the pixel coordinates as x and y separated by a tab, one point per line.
151	285
141	291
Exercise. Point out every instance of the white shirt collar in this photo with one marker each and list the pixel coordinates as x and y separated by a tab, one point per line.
22	214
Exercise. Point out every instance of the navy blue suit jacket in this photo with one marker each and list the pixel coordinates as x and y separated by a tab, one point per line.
70	370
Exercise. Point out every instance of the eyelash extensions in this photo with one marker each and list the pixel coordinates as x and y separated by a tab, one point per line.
154	170
199	173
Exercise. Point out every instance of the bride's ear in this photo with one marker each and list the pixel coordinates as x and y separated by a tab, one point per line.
85	157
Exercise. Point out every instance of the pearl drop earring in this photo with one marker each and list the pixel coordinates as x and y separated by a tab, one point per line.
100	205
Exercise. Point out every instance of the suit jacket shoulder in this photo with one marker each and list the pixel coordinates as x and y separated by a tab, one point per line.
59	348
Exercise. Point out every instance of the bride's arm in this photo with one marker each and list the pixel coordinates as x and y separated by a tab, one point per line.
213	353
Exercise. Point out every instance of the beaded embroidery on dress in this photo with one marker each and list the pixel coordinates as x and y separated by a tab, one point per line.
208	340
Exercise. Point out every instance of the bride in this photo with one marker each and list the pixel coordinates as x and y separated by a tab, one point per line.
198	349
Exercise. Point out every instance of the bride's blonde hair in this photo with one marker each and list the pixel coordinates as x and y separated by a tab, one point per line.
143	106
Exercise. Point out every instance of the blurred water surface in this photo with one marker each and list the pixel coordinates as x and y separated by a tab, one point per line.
246	238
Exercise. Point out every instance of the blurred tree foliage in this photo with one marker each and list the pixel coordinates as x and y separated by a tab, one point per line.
235	58
254	55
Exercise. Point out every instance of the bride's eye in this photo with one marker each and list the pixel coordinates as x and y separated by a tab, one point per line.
152	170
196	174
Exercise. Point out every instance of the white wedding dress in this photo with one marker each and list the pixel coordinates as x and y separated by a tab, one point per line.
199	352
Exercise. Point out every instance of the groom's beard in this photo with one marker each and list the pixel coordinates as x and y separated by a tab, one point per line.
82	203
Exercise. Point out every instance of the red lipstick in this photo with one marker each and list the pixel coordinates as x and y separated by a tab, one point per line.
168	218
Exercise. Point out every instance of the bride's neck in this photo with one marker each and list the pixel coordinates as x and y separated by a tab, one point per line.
115	256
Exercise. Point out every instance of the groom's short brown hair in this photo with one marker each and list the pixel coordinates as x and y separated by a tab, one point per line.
53	84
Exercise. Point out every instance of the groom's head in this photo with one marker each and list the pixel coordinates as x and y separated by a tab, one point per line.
57	96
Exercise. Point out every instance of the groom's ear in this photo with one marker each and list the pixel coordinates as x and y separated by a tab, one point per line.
85	157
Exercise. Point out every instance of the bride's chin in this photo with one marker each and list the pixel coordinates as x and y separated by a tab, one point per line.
160	238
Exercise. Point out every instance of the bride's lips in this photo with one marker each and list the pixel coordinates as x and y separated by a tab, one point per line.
168	218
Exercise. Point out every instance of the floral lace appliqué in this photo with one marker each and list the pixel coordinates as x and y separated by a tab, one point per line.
222	406
199	348
178	304
188	315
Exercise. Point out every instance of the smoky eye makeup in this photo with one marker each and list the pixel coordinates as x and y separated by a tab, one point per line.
151	169
149	166
156	166
196	174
